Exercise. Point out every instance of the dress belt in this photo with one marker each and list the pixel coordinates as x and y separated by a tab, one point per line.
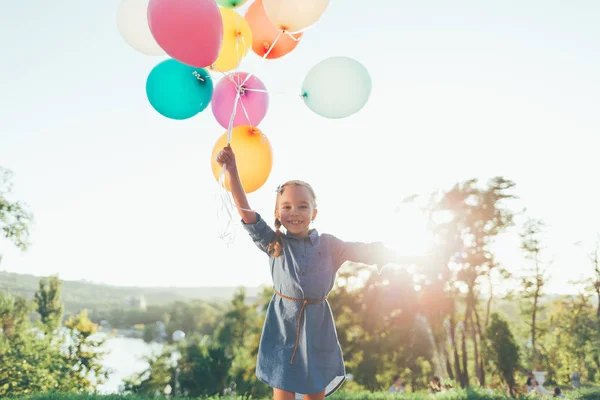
304	303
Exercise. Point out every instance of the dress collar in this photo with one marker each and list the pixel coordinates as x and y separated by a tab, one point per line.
313	235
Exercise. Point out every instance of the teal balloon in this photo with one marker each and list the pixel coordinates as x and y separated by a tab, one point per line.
337	87
178	91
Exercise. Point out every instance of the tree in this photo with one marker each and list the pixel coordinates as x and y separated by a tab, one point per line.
465	222
243	366
31	362
375	319
25	358
595	280
13	314
574	344
237	323
49	304
15	219
204	368
503	350
80	367
154	378
533	283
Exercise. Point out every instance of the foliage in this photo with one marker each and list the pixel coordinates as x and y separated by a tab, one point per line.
155	378
204	368
378	327
191	309
26	357
193	317
48	303
471	394
15	218
35	359
465	221
574	340
503	351
532	283
82	360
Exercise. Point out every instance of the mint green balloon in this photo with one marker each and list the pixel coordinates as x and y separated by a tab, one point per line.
178	91
337	87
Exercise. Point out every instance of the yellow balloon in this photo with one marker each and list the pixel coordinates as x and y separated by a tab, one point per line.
294	15
253	156
237	40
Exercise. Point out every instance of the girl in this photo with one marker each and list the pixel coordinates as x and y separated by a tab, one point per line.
299	350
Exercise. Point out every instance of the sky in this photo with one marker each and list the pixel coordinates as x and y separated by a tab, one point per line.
462	89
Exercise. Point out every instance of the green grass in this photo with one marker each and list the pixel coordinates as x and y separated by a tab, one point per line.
585	394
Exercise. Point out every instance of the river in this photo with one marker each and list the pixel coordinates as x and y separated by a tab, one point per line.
124	359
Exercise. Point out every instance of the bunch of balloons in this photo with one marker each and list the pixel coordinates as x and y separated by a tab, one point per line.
200	37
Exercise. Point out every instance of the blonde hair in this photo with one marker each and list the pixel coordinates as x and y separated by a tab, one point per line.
274	248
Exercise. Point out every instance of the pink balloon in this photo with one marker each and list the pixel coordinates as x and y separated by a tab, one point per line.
252	104
190	31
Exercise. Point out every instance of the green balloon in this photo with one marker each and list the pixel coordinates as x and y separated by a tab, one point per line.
178	91
231	3
336	87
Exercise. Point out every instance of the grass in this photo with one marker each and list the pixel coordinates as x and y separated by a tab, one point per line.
585	394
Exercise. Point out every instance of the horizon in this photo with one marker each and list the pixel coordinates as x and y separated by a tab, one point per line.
482	295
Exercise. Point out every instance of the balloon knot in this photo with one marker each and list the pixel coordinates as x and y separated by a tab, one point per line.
241	90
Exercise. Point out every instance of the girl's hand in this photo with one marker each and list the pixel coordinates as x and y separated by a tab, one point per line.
226	157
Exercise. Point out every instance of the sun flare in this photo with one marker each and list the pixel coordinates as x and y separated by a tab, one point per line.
406	231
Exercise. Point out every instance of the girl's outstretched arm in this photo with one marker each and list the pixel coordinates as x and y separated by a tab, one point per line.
227	158
374	254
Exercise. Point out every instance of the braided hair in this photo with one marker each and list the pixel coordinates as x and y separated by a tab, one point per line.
274	248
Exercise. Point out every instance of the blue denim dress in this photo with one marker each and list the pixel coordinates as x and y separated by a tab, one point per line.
312	360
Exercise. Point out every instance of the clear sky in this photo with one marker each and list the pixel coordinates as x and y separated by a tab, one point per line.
461	89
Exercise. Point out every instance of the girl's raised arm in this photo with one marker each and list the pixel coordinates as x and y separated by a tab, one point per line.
227	158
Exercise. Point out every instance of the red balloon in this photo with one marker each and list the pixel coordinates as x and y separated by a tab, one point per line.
190	31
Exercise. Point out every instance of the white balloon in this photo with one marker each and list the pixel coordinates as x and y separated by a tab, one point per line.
132	22
294	15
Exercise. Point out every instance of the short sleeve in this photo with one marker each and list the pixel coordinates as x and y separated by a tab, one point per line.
260	233
374	253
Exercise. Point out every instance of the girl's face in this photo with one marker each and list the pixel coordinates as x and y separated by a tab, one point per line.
295	209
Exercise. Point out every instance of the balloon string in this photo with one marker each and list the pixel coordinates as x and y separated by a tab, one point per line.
233	112
227	202
245	112
225	74
198	76
272	45
296	39
237	47
229	132
264	56
241	57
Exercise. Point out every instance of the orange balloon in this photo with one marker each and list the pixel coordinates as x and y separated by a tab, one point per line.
253	155
264	33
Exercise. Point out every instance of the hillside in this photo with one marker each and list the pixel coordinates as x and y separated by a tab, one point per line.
78	295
